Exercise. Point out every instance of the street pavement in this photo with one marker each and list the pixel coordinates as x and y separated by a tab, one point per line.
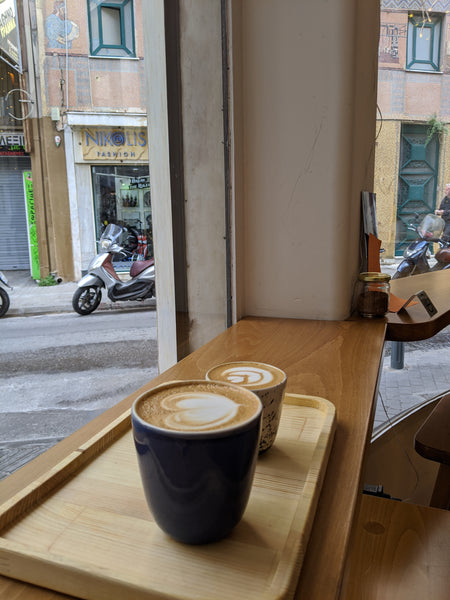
426	371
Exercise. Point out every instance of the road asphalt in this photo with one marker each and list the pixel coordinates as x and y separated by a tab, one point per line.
426	371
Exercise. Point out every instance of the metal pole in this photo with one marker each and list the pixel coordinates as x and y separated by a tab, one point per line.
397	355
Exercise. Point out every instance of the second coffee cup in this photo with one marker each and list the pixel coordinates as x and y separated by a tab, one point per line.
266	381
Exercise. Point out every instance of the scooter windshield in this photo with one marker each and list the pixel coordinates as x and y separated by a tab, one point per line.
112	233
431	227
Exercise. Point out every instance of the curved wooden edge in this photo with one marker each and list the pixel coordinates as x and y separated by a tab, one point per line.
399	330
314	401
414	323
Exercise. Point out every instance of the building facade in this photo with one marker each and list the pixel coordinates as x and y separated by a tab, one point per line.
412	152
74	101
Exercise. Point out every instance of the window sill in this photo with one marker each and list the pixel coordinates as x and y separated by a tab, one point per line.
427	72
115	57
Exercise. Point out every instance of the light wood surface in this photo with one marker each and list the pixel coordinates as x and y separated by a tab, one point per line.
94	536
414	323
335	360
399	551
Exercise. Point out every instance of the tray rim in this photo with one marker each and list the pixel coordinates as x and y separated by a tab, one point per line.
283	582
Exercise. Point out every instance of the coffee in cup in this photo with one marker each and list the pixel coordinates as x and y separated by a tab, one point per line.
197	445
203	407
267	381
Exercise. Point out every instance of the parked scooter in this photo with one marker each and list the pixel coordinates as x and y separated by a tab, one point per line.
416	255
101	274
4	297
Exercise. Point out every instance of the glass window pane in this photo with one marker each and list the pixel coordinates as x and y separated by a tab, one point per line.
111	26
423	44
122	197
436	43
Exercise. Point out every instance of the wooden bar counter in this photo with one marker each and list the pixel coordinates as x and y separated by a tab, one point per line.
336	360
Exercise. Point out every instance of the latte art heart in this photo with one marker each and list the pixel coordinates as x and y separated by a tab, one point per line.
198	407
188	411
247	375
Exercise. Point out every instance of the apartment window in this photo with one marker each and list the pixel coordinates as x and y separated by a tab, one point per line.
424	41
111	28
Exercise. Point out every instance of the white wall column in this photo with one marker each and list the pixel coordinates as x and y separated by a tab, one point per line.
158	147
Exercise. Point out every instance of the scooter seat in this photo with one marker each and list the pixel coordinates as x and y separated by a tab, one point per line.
140	265
443	255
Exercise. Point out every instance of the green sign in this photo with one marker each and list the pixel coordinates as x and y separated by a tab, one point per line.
31	224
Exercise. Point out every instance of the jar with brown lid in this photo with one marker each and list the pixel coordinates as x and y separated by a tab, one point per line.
373	294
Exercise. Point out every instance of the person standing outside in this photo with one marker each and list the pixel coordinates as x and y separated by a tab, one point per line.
444	212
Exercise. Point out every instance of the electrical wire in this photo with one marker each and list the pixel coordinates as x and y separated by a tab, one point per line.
66	33
380	120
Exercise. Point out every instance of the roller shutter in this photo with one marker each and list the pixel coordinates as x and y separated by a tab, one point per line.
14	252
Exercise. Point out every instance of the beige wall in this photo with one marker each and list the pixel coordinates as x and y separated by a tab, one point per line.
304	152
303	108
386	182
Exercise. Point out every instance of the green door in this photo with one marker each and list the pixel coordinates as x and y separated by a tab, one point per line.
417	181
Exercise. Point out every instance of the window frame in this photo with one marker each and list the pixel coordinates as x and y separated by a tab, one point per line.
98	48
416	24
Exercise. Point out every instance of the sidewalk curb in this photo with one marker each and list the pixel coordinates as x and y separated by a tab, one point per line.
103	307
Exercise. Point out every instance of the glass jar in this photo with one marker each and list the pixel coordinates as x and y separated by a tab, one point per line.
373	294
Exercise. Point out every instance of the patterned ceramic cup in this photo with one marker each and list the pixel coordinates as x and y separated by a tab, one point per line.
266	381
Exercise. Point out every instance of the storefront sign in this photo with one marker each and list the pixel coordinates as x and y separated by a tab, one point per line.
12	144
9	35
31	224
114	145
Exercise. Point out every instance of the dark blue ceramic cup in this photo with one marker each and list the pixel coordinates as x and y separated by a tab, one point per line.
197	480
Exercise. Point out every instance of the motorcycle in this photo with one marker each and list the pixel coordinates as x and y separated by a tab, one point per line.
101	274
4	297
416	255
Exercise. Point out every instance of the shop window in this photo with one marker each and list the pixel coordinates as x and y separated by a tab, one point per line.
10	99
424	41
111	28
122	196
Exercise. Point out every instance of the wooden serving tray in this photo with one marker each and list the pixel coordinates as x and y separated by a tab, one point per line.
85	529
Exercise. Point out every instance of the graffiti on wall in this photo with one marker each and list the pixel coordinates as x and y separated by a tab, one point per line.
390	34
